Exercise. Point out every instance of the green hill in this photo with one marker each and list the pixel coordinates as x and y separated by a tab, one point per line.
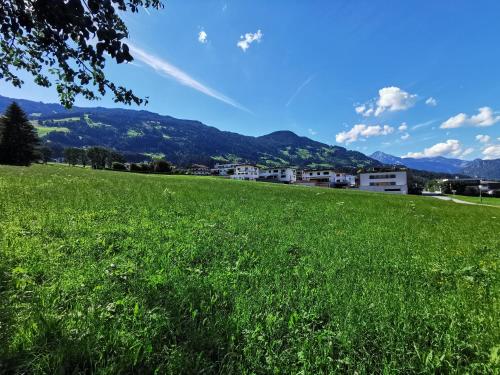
108	272
140	133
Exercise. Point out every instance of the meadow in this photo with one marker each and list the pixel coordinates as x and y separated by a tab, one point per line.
107	272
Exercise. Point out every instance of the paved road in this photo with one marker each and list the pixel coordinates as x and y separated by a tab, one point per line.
446	198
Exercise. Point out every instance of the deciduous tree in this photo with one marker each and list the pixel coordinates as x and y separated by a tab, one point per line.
69	41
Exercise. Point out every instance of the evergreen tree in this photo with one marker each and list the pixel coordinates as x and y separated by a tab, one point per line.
18	138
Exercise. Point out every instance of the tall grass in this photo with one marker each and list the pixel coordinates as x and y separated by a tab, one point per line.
104	272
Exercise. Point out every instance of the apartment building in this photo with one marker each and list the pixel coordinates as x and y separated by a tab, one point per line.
224	169
328	176
245	172
285	175
384	182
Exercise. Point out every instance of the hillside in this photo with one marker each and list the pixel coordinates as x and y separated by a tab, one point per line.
108	272
139	133
475	168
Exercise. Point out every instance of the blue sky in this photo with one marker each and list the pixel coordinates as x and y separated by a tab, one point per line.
416	78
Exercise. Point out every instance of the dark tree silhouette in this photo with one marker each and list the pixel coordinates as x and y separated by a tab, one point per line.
72	155
18	138
69	37
44	153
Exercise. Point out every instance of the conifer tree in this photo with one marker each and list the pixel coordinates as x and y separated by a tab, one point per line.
18	138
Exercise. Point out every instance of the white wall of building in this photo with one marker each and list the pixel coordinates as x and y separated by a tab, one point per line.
278	174
384	182
328	175
245	172
223	169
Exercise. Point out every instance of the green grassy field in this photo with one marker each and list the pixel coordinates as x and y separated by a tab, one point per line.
108	272
486	200
44	130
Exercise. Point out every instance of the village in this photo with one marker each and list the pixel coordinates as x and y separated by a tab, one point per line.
395	182
381	180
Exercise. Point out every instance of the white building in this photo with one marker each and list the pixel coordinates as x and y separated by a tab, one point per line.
287	175
199	170
245	172
224	169
329	176
384	182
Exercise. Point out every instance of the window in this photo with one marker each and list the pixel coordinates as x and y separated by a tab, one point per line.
381	176
392	189
386	183
326	172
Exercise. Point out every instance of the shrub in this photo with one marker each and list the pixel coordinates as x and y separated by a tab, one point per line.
117	166
134	167
161	166
145	167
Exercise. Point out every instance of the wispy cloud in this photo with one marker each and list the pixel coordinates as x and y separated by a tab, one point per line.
299	89
423	124
165	68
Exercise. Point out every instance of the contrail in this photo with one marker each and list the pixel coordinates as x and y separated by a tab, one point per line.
299	89
183	78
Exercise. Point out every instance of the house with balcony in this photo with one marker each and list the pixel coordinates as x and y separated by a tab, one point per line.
283	174
328	177
223	169
245	172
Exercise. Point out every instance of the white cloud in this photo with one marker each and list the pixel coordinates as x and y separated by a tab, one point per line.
312	132
363	131
394	99
455	121
483	138
202	37
165	68
467	151
405	136
431	102
389	99
360	110
248	39
451	147
485	117
492	152
403	127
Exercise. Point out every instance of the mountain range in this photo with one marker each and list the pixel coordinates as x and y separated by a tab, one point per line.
140	134
474	168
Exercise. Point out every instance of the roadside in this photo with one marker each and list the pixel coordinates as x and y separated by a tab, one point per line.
447	198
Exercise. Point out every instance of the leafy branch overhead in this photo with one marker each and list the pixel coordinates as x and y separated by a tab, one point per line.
67	41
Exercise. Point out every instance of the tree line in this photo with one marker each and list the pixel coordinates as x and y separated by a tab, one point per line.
104	158
20	145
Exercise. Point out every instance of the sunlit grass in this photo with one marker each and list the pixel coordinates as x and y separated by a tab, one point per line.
44	130
112	272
